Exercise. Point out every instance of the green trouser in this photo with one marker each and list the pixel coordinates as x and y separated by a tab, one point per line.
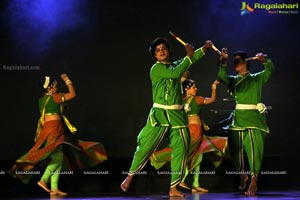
149	139
52	171
252	142
196	172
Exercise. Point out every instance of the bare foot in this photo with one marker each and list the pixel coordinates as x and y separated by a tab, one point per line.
199	189
43	185
58	193
183	185
126	183
252	188
174	192
243	181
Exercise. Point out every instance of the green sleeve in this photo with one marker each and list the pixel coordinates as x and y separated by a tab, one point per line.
197	55
162	71
223	76
266	74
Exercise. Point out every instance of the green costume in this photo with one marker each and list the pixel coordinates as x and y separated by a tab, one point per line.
166	115
248	127
199	144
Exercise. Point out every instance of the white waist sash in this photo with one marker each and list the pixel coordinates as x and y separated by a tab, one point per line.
260	107
168	107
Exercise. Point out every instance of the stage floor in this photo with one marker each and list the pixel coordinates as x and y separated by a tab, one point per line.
221	185
262	195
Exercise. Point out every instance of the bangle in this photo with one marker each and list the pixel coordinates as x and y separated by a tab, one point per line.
68	82
213	86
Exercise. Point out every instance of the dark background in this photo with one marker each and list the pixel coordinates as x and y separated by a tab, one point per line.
103	47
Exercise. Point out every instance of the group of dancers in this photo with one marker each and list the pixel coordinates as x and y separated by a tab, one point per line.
176	113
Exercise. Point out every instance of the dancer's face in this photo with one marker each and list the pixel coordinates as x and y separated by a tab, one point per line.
53	89
162	53
192	90
239	64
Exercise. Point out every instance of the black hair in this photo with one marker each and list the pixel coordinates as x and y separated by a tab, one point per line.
243	56
187	84
157	41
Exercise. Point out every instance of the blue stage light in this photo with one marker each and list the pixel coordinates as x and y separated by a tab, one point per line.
34	24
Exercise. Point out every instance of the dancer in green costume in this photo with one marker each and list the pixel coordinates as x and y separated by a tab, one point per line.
50	138
248	127
167	114
199	142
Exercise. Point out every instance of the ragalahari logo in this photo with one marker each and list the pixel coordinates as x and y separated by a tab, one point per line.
270	8
246	8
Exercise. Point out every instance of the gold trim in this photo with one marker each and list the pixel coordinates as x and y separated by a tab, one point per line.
51	114
191	115
72	128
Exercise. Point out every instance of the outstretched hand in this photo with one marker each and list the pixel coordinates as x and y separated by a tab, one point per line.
64	77
216	82
207	45
214	85
189	50
260	57
224	56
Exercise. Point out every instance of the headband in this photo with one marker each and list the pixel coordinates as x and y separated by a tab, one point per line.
46	83
187	84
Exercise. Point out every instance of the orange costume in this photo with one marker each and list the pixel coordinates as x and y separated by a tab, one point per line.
51	141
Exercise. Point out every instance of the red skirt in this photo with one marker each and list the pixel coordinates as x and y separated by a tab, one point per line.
77	154
213	147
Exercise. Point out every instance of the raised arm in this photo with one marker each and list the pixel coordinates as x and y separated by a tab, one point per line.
177	69
183	65
201	51
212	98
71	93
266	74
222	74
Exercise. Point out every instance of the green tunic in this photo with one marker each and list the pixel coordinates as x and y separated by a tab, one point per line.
195	108
248	127
247	90
166	90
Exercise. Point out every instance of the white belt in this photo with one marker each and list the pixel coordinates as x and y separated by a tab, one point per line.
245	107
166	107
260	107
